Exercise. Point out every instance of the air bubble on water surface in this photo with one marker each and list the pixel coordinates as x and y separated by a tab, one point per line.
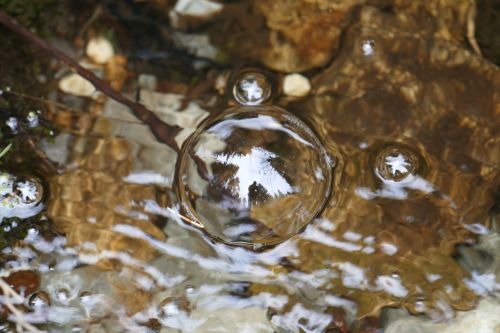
396	164
254	175
32	119
420	306
20	196
39	300
12	123
172	312
251	88
368	47
65	288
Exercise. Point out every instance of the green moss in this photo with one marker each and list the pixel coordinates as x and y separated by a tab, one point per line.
32	14
11	229
22	63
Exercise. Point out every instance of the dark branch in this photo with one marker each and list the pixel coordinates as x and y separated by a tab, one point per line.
162	131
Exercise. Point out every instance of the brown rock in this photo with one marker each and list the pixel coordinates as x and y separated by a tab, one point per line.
23	282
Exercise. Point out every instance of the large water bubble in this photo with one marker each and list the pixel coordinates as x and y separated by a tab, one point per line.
254	175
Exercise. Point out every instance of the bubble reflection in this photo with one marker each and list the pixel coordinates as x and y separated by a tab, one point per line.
251	88
353	252
254	175
396	164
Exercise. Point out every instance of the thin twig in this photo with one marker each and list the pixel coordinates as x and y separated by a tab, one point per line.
51	166
8	292
5	150
55	104
162	131
97	12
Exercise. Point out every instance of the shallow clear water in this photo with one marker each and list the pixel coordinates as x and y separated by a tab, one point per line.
279	214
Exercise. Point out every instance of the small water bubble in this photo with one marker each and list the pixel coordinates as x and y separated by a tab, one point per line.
190	289
368	47
254	176
12	123
251	88
64	288
6	184
170	308
29	191
39	300
420	306
63	295
20	196
396	163
32	119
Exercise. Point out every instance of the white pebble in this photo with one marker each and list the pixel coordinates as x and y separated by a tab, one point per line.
75	84
100	50
296	85
197	8
200	9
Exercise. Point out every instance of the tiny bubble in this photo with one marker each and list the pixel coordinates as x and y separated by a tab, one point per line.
32	119
12	123
368	47
251	88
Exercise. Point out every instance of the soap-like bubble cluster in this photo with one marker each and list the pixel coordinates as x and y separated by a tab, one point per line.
254	175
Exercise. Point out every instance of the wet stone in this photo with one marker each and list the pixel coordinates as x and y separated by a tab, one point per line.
367	325
254	176
23	282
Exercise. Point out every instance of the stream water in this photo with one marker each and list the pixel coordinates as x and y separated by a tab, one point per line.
366	204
